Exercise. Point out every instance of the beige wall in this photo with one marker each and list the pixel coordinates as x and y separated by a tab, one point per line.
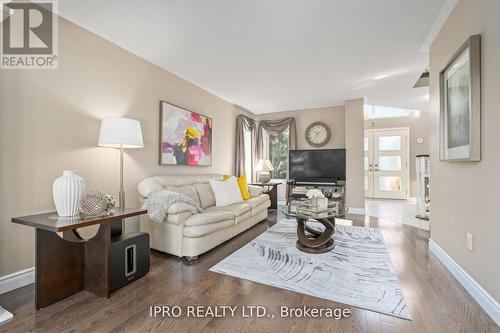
354	134
419	125
346	123
332	116
464	195
49	122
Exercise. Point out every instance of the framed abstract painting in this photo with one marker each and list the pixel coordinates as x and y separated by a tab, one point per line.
460	104
185	137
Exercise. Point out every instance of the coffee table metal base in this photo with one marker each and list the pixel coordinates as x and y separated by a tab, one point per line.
314	241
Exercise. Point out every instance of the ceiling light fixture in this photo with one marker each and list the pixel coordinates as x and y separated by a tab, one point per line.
381	77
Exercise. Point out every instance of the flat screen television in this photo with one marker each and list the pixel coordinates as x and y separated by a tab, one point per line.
317	164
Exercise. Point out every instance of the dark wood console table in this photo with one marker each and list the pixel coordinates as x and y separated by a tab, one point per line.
64	266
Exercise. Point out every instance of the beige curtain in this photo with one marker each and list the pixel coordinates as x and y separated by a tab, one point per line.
243	123
275	127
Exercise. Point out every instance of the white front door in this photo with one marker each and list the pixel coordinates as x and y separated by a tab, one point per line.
368	161
386	163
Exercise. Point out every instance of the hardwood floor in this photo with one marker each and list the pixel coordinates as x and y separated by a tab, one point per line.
437	302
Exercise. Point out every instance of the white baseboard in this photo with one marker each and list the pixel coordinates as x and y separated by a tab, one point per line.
485	300
17	280
356	211
5	315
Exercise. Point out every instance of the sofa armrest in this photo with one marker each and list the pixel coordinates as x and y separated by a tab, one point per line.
179	218
179	212
255	191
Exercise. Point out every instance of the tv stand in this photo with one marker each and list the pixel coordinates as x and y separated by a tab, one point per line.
333	189
312	182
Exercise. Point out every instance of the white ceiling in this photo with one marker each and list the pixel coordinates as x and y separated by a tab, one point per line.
270	56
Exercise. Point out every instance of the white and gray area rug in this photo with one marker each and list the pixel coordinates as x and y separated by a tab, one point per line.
358	271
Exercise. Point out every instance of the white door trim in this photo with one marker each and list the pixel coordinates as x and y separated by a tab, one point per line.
407	139
368	174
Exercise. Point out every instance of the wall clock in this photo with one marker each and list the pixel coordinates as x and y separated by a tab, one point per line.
318	134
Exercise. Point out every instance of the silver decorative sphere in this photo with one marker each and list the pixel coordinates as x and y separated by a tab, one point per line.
96	202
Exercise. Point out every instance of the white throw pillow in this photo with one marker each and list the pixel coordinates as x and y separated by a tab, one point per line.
226	191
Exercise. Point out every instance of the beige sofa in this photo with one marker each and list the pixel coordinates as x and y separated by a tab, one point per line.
185	234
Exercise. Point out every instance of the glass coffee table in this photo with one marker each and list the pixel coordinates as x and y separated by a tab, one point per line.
312	240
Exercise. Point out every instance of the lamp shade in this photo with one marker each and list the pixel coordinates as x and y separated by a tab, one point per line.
264	165
120	132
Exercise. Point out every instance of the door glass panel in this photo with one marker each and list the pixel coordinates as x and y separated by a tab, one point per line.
392	142
389	183
389	163
366	163
366	143
366	184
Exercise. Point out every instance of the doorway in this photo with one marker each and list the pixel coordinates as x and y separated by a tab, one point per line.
386	163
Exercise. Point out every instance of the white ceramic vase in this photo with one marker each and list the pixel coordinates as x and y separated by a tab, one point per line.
68	190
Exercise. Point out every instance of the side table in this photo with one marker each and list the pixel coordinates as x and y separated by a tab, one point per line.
68	264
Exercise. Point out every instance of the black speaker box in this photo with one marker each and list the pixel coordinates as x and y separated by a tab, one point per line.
129	258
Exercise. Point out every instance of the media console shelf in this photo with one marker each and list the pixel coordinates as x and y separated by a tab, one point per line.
333	190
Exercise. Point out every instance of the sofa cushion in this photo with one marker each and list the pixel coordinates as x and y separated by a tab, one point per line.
188	190
242	184
202	230
208	218
177	219
240	211
226	192
243	217
155	183
206	194
237	209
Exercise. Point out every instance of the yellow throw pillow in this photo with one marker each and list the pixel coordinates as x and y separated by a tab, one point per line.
243	185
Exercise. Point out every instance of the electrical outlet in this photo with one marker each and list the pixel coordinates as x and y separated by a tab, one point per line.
469	241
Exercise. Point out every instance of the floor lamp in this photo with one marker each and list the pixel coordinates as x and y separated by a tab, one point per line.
120	133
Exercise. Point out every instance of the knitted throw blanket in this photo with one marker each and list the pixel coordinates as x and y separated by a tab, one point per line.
159	203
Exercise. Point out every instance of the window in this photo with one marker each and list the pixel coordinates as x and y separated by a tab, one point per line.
377	112
392	142
278	154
